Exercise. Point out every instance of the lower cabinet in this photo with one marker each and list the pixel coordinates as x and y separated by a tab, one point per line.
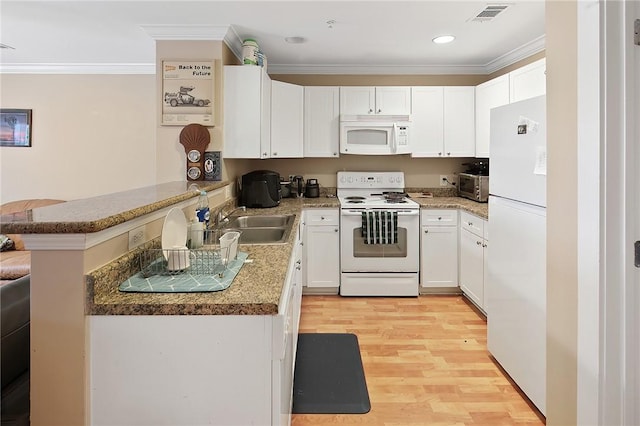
322	250
438	249
473	257
196	369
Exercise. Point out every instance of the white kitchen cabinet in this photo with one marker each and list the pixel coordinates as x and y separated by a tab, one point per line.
443	121
247	112
363	100
528	81
321	121
525	82
322	250
439	249
490	94
287	105
196	369
473	258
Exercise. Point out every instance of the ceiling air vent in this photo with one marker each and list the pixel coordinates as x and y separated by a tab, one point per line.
489	12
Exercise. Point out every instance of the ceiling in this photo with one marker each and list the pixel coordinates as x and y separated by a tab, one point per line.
367	37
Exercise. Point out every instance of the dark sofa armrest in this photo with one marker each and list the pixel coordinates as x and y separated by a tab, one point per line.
14	328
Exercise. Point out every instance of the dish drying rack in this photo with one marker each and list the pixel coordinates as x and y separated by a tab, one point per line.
218	249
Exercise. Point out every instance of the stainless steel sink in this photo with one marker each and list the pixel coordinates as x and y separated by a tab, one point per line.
262	229
263	235
242	222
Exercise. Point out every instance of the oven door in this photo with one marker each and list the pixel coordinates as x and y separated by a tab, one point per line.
358	256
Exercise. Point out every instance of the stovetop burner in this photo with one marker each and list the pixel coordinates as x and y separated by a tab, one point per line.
354	197
355	201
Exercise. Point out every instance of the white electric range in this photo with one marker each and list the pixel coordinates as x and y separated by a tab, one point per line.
379	235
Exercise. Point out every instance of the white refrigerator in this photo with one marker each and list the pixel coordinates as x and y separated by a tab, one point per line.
516	286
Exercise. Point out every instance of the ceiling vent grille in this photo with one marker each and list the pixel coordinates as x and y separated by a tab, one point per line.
489	12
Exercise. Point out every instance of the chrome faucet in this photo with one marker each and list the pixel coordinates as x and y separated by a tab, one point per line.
220	218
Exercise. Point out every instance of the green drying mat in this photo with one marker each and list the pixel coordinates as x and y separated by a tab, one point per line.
184	282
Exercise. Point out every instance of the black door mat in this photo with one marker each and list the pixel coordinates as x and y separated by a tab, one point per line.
329	378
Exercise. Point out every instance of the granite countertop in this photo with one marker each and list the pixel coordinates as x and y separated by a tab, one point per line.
256	290
97	213
473	207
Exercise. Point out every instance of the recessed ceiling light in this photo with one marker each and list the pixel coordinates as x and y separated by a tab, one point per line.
295	40
444	39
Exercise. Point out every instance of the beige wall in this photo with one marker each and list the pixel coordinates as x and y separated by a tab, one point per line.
562	240
92	135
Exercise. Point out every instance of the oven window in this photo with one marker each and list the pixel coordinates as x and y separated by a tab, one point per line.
367	137
362	249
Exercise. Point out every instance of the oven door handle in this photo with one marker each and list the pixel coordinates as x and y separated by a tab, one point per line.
414	212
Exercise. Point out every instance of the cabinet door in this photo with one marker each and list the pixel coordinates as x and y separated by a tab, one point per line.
393	100
472	267
439	256
357	100
427	121
459	121
286	120
243	112
490	94
528	82
265	127
321	121
323	256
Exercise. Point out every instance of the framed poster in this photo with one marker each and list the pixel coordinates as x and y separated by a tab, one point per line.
187	92
15	127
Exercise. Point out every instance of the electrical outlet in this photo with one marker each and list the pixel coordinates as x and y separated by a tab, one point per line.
444	180
137	236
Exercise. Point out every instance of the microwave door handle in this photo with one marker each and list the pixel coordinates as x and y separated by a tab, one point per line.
394	147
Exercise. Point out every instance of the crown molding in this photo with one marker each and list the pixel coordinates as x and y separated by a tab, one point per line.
78	68
229	36
522	52
374	69
186	32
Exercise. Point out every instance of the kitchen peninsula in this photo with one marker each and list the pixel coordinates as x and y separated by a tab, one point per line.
80	245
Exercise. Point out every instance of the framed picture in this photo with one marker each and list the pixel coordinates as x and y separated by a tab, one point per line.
187	92
15	127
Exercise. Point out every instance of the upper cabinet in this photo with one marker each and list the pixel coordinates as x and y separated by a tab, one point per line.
523	83
286	120
491	94
262	119
321	121
247	112
362	100
442	121
528	82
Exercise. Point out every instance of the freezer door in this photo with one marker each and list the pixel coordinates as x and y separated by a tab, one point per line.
515	294
518	167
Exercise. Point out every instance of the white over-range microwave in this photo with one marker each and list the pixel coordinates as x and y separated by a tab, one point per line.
374	134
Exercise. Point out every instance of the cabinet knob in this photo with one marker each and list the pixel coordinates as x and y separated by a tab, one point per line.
335	154
370	110
335	230
439	153
379	111
448	153
298	268
264	154
274	154
321	217
298	262
426	231
478	243
470	223
439	217
484	245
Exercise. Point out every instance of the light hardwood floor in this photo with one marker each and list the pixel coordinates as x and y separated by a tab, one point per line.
425	362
